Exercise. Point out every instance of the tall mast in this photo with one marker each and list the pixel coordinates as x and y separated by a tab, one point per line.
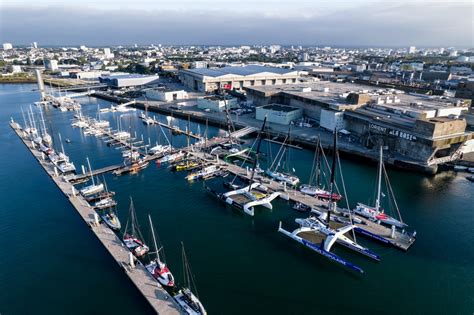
187	282
333	175
90	170
379	183
42	121
154	239
24	118
318	164
61	141
257	152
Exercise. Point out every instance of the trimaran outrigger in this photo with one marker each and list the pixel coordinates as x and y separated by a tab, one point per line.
254	193
319	235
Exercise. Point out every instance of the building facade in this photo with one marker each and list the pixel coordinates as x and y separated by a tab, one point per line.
214	79
278	114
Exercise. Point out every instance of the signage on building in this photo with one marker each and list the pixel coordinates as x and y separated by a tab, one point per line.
393	132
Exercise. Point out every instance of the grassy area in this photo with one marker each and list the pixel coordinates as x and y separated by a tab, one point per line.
17	78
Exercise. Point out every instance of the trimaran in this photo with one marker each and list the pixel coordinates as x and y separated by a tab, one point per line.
317	234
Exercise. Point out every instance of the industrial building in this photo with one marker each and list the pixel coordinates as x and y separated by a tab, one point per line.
213	79
279	114
217	103
332	120
89	75
127	80
166	95
415	128
311	97
51	65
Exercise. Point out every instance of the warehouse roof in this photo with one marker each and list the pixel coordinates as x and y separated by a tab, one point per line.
239	71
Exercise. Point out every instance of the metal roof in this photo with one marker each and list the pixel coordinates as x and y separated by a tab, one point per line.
241	71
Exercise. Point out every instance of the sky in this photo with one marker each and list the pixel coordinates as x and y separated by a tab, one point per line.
210	22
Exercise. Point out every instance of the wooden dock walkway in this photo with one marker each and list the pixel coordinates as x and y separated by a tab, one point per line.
158	298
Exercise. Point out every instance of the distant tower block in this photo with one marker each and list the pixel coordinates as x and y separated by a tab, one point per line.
39	81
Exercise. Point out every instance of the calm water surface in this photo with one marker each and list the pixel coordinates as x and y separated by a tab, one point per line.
51	263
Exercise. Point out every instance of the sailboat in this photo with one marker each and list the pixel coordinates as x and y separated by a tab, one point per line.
91	189
284	177
376	213
314	188
61	160
157	267
187	300
44	133
317	234
100	123
133	238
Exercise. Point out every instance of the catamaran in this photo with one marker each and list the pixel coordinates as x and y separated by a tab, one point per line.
157	267
91	189
187	300
376	213
133	238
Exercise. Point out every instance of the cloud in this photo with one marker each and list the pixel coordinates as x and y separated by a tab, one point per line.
377	24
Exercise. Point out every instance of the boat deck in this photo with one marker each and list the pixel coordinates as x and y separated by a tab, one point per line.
158	298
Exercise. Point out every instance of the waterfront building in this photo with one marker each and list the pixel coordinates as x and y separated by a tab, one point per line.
217	103
126	80
278	114
165	94
51	65
213	79
416	128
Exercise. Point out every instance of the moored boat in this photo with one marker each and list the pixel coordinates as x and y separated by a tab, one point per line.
157	267
132	237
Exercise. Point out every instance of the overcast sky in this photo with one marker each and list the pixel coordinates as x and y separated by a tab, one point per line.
299	22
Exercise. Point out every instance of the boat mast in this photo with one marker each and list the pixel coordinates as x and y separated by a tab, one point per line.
255	162
42	122
154	239
24	118
333	175
90	171
61	141
379	183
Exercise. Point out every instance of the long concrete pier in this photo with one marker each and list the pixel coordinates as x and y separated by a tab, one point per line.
160	300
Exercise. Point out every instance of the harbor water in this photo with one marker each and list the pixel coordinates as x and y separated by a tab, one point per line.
52	264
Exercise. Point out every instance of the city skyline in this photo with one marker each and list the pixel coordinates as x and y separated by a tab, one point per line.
360	23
